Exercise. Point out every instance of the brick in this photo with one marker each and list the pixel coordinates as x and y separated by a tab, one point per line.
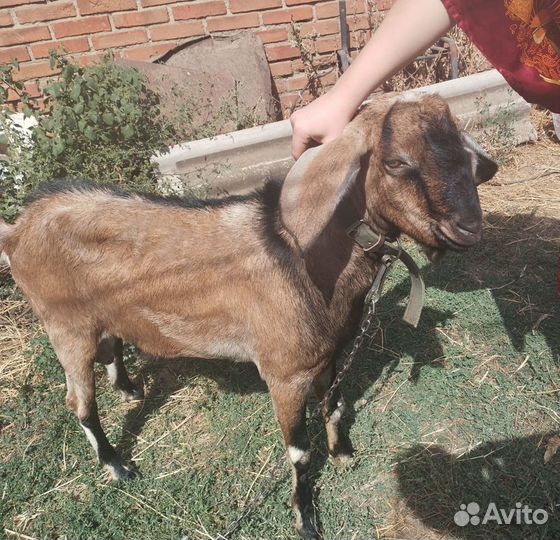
281	69
232	22
23	35
19	53
303	13
87	25
319	62
360	22
150	3
176	31
238	6
119	39
73	45
296	83
6	19
322	28
329	78
384	4
199	10
288	103
327	44
297	2
328	10
12	3
50	12
32	89
148	53
283	52
359	39
95	58
91	7
141	18
273	36
34	70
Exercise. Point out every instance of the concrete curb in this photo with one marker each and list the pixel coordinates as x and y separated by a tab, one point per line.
242	160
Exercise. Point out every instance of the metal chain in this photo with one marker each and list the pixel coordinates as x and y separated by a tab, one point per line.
365	327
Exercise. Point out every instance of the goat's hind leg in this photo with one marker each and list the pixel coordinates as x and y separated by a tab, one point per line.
110	354
338	441
76	355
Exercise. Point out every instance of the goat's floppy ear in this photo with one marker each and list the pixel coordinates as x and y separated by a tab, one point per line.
317	183
485	166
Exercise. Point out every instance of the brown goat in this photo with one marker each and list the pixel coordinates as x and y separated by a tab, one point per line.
271	278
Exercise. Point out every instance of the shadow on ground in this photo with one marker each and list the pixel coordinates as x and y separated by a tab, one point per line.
434	484
517	262
168	376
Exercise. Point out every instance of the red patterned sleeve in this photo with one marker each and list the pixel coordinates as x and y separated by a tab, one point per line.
521	38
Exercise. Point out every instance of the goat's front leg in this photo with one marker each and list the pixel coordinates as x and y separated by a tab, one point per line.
290	406
338	441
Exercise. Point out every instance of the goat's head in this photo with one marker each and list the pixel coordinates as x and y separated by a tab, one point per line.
406	167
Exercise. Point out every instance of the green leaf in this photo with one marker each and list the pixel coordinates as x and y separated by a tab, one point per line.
58	147
127	131
78	108
89	133
76	91
108	118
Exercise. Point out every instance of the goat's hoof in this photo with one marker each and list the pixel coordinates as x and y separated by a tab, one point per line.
121	472
309	532
136	393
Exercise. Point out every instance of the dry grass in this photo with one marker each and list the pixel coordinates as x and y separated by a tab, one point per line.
531	180
17	330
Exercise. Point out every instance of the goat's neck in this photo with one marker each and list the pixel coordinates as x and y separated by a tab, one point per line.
338	267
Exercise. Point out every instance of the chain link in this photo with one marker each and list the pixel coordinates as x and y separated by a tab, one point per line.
365	332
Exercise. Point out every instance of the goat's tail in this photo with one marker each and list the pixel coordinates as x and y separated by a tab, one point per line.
5	232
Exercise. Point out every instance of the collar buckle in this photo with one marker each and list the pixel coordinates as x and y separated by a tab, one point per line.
374	243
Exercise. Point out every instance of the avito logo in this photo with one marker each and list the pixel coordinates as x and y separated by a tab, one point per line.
520	515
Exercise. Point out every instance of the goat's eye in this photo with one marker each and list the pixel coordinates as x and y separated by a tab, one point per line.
395	164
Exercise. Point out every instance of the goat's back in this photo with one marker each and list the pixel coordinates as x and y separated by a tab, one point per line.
191	280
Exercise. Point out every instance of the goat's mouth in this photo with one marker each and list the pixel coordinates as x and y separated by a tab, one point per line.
455	237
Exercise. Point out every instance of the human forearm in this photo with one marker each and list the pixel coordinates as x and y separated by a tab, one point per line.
409	28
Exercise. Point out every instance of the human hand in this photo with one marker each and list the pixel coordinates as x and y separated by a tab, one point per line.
317	123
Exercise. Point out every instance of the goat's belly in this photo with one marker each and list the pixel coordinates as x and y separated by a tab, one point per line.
176	335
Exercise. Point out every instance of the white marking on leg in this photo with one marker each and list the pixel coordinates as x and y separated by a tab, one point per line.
91	438
337	413
297	455
4	259
112	373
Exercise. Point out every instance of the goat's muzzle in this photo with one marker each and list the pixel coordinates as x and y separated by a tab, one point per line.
458	236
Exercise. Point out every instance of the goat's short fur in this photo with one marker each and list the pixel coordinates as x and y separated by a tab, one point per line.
271	278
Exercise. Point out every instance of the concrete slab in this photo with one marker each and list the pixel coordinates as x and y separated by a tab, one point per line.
240	161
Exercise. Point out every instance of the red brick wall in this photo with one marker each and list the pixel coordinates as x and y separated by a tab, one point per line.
146	29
